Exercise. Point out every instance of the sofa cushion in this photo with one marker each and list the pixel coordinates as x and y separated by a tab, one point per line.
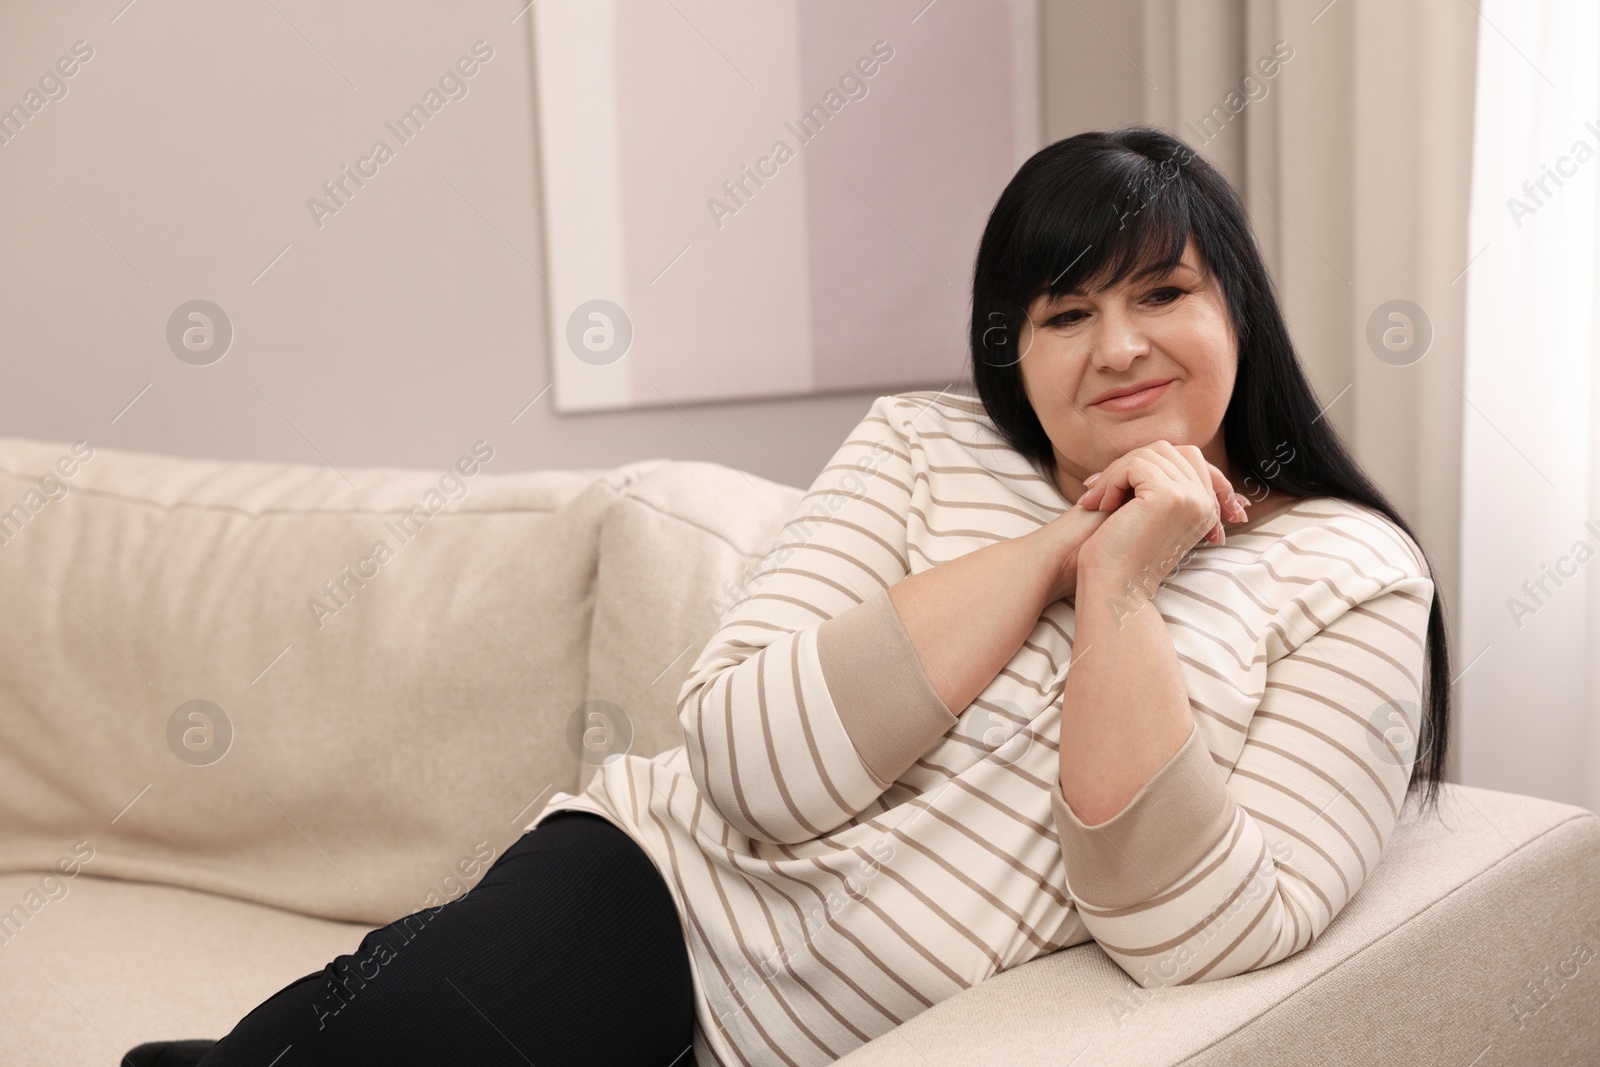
103	965
395	654
674	549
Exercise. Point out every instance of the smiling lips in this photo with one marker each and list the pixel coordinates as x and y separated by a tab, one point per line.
1133	397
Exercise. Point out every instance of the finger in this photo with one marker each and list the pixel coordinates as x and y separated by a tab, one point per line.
1139	469
1114	488
1229	504
1166	455
1198	472
1090	497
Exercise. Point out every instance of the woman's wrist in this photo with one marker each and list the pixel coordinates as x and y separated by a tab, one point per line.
1057	544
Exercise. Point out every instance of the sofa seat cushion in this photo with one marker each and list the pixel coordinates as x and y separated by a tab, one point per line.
102	965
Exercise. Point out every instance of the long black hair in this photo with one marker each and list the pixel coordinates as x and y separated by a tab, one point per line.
1102	205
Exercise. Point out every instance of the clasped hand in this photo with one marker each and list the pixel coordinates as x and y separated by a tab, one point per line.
1140	516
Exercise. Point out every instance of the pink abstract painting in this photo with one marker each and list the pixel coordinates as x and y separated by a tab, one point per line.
749	200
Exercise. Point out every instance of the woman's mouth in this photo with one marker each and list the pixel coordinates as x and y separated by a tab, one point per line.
1133	401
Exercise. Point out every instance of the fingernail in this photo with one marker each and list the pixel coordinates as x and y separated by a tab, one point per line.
1091	479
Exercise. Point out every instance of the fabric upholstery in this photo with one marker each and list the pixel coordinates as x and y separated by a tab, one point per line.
372	747
674	549
421	719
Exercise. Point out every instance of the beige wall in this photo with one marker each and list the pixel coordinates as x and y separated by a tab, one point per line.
178	166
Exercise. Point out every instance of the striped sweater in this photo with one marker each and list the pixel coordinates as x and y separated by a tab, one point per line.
845	853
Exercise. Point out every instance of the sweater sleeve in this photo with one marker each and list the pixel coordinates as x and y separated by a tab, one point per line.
810	700
1210	872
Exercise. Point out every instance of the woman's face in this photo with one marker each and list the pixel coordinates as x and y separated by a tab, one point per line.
1173	328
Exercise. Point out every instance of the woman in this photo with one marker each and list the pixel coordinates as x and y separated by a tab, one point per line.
1018	674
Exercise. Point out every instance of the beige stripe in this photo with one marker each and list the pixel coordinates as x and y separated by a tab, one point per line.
976	504
879	688
913	942
1376	653
1215	715
805	517
772	750
933	906
949	402
992	446
995	902
830	550
1318	661
697	751
1244	668
811	740
1055	668
1021	720
1028	683
876	443
1205	668
1305	880
983	746
1356	568
989	535
705	942
1254	522
959	401
801	915
1309	806
1326	777
1305	609
759	624
1330	742
802	572
1017	816
750	958
782	598
1217	605
986	472
1381	524
1057	628
1266	907
1378	616
1312	845
1049	888
733	764
834	520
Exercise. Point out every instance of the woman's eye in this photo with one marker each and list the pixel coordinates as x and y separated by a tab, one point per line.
1063	320
1174	290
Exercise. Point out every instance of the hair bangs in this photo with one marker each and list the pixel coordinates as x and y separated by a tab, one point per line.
1141	230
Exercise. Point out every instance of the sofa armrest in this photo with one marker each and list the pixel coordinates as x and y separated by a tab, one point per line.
1480	930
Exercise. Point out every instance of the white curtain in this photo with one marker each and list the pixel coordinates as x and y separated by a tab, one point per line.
1530	488
1353	155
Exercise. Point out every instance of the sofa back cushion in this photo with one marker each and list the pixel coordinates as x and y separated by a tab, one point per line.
335	692
675	549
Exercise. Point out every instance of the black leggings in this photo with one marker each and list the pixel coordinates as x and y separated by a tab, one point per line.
568	951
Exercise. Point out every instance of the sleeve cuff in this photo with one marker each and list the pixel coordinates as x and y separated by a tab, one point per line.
1174	819
884	699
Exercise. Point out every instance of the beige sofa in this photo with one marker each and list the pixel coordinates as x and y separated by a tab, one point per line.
367	743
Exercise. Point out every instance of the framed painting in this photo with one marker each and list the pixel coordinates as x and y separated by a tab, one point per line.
757	200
